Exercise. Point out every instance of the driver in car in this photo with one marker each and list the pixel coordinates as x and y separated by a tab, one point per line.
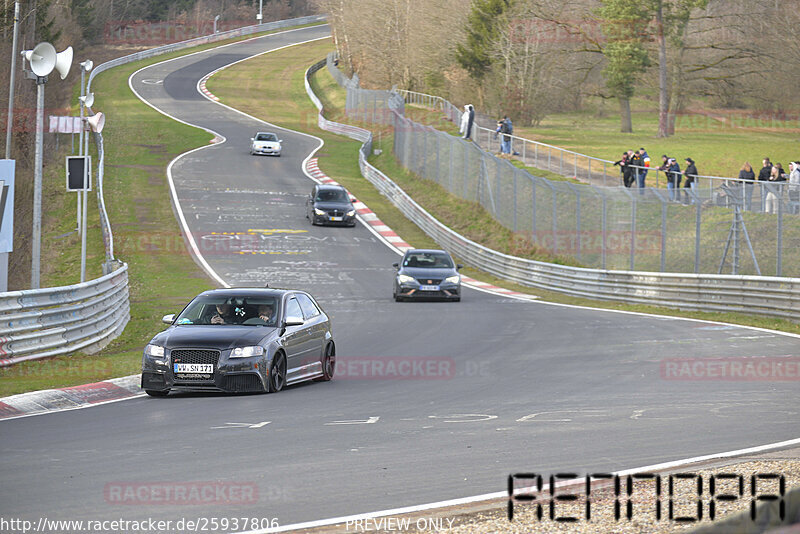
224	315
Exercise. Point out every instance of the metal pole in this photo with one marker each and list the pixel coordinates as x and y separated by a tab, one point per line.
80	142
260	11
215	23
779	254
11	83
86	180
36	239
697	239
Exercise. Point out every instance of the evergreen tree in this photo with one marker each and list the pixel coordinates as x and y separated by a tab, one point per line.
624	26
482	32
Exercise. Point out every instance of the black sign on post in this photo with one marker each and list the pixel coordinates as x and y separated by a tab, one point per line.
79	173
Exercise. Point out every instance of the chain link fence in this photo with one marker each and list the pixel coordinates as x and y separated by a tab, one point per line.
699	230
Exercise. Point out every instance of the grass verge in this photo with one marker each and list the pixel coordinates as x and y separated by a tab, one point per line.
139	144
287	104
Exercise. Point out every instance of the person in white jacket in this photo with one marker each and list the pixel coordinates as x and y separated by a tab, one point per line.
467	119
794	187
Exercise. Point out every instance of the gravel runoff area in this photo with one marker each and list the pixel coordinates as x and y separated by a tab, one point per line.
492	517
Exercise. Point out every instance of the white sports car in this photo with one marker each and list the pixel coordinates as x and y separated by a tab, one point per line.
265	143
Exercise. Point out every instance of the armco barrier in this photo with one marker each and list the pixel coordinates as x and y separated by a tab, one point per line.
47	322
770	296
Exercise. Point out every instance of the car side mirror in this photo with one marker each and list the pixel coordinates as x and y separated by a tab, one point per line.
396	265
168	319
293	321
459	266
252	138
280	140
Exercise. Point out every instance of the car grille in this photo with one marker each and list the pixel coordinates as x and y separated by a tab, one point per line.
429	281
240	383
335	213
195	356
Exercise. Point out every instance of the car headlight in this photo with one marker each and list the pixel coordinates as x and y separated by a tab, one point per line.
453	279
405	279
351	213
319	212
247	352
155	351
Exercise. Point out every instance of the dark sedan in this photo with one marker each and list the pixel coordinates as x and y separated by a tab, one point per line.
427	274
241	340
330	204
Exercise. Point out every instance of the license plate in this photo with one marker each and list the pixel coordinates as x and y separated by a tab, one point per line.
205	368
429	288
336	218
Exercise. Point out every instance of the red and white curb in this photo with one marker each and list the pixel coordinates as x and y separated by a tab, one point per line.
72	398
390	236
205	91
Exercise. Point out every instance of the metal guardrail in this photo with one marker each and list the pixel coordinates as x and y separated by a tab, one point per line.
770	296
47	322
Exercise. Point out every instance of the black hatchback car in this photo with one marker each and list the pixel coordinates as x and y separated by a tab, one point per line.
427	274
330	204
241	340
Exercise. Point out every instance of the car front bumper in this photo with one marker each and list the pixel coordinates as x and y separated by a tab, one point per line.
267	151
233	376
343	220
445	291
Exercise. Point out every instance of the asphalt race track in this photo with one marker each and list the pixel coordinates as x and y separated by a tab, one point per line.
506	386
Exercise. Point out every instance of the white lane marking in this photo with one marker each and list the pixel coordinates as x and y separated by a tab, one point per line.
152	82
369	421
464	417
504	494
242	425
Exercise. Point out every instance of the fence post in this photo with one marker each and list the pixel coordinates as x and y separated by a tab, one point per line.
515	201
451	144
779	254
633	230
533	206
436	134
555	222
603	247
697	237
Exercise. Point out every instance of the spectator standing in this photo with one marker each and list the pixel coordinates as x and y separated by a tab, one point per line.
772	199
467	120
673	177
691	179
763	176
623	167
794	187
636	163
746	173
505	128
646	164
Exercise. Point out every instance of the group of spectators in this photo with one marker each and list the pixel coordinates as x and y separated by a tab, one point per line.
634	166
770	173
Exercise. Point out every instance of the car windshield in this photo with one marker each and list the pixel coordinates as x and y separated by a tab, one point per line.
266	137
332	195
428	260
236	310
